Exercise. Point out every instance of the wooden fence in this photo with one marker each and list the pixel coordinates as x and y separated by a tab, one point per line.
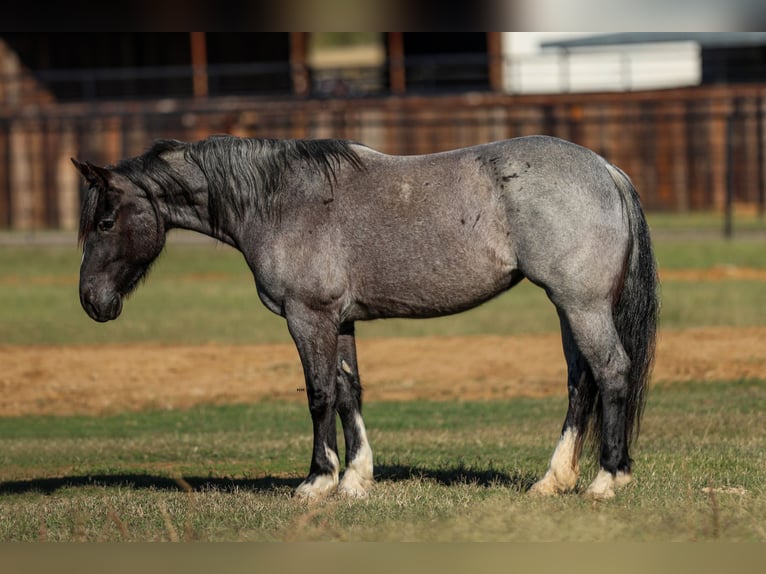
685	149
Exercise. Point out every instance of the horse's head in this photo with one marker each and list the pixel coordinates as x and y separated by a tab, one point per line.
121	233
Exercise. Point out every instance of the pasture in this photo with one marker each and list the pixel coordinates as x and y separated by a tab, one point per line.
81	458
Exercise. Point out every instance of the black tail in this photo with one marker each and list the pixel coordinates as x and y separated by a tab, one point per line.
636	311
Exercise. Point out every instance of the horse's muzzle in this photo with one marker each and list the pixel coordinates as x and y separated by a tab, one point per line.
101	309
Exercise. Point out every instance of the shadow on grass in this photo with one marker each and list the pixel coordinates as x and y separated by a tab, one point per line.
390	473
146	481
454	476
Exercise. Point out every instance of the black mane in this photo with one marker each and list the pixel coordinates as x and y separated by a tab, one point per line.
242	173
247	172
87	214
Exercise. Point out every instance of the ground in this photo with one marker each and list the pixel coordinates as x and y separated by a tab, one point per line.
112	378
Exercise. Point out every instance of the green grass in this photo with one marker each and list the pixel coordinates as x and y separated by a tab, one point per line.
204	292
715	303
445	472
743	220
709	253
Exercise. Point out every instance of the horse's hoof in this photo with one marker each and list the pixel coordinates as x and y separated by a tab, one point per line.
622	479
552	485
598	495
544	487
316	487
602	487
354	485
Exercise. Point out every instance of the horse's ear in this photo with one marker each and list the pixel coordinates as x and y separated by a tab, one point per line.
95	175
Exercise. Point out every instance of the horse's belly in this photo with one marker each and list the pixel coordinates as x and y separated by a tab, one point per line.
432	287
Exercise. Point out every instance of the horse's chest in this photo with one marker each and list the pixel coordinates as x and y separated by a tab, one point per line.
310	272
273	303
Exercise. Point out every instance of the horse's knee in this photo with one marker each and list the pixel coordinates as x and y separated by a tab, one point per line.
321	399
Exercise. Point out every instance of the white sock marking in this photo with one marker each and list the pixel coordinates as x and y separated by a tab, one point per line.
622	479
358	478
563	470
323	484
602	487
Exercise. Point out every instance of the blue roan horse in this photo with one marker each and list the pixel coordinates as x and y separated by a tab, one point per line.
335	232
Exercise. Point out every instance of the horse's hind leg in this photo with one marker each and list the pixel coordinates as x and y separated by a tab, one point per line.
358	478
594	333
564	468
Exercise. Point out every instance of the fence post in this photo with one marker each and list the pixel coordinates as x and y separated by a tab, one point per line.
728	228
759	156
198	48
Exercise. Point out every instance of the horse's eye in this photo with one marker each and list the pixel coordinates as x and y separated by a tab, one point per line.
106	224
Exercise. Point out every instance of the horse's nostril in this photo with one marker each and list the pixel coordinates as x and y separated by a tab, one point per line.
115	307
90	309
102	310
86	300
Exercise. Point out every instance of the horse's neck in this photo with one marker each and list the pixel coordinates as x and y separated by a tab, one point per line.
191	211
186	218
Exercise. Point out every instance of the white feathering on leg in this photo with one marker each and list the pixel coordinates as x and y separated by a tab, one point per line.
323	484
563	470
358	478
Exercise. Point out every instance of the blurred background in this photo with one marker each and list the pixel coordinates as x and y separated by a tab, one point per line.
198	380
681	113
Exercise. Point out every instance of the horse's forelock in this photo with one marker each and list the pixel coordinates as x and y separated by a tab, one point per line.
88	214
149	172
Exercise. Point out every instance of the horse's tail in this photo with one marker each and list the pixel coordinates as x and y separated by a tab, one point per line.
636	307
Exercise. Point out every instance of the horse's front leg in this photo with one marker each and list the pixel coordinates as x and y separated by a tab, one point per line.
316	337
357	479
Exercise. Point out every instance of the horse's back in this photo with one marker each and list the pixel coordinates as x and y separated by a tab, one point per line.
436	234
537	191
429	234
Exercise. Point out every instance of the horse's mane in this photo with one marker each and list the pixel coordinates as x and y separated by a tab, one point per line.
241	173
250	173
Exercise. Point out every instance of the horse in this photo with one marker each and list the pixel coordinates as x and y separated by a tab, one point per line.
335	232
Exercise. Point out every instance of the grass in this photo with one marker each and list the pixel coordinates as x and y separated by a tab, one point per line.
744	219
709	253
453	471
203	292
